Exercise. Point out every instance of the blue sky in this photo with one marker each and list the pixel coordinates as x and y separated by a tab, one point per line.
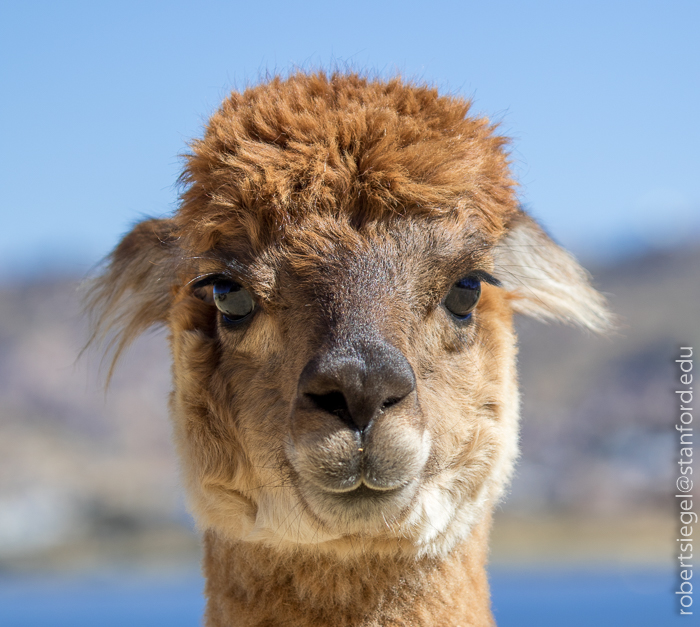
602	101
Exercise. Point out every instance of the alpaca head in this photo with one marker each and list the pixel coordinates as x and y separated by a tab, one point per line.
339	284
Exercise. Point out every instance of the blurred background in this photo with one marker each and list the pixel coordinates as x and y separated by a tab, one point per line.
100	99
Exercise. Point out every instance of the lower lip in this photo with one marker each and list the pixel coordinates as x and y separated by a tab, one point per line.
363	492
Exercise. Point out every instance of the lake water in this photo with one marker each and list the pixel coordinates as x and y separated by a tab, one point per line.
522	599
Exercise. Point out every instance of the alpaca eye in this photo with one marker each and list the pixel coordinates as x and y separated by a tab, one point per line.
233	301
463	297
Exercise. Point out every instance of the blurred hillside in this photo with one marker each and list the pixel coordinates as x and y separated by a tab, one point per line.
85	473
598	412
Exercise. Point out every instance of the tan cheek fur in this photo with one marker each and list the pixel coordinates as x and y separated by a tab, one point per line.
473	426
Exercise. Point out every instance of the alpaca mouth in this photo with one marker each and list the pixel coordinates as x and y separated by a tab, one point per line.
362	508
357	487
363	484
364	492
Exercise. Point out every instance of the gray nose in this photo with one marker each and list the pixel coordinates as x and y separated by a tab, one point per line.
357	385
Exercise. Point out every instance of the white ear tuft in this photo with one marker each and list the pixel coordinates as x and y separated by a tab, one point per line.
545	281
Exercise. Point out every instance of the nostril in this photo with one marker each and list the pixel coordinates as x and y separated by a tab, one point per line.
332	402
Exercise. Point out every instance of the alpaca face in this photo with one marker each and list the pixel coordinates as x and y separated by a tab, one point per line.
339	284
369	392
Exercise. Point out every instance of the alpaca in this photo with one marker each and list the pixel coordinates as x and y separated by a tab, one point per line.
339	284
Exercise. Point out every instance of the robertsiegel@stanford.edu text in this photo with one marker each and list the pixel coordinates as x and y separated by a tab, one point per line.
684	483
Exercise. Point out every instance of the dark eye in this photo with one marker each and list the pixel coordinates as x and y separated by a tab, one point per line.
463	297
233	301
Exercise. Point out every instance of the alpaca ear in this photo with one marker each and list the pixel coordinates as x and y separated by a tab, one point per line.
546	282
134	290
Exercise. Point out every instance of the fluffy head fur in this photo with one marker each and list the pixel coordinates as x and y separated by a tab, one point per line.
351	415
336	147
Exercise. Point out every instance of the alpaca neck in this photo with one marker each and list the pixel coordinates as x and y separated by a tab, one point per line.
252	585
